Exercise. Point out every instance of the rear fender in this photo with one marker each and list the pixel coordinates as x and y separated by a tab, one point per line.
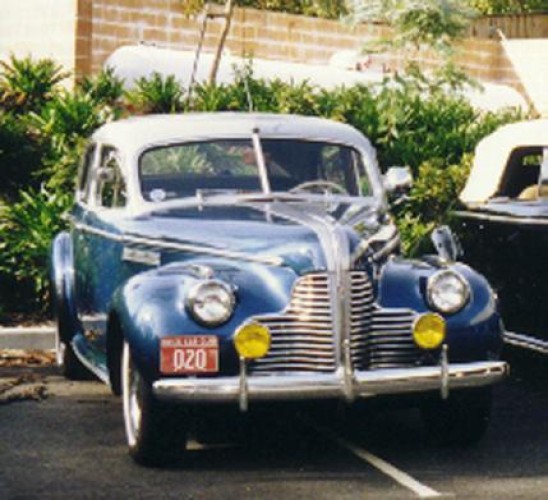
62	285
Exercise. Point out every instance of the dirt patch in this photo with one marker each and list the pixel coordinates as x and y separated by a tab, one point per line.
20	358
19	378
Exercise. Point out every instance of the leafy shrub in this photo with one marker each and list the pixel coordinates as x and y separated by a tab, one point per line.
20	157
156	94
433	197
62	127
26	85
27	228
104	89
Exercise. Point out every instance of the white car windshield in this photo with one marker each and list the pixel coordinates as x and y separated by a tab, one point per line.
183	170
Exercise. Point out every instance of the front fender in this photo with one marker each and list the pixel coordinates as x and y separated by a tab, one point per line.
473	333
152	305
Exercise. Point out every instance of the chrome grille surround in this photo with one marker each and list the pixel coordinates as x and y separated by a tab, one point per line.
303	338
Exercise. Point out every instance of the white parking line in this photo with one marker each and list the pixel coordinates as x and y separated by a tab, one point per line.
421	490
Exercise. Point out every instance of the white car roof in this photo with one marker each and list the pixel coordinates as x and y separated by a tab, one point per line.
492	153
133	134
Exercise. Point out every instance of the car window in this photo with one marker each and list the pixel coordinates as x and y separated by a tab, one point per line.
111	186
180	170
83	173
521	176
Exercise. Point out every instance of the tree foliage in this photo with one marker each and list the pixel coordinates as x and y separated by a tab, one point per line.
493	7
416	23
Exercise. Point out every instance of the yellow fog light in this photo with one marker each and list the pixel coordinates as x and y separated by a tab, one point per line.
252	341
429	331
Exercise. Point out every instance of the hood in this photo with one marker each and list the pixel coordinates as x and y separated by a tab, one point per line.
293	233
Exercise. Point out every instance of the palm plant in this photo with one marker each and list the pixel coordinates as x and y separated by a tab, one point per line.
156	94
62	127
105	88
26	84
27	228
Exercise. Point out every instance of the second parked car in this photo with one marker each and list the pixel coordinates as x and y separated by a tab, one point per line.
506	217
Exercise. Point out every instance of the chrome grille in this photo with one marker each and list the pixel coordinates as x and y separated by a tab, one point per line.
390	342
303	338
302	335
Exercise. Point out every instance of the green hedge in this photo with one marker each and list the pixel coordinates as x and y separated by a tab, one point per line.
409	119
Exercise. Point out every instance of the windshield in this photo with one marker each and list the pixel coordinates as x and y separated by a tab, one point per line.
183	170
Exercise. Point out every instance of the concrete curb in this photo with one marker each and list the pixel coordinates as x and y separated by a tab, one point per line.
39	338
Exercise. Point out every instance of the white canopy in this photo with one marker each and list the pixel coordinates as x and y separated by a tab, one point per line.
492	154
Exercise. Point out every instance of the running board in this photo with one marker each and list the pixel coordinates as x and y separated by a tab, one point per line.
526	342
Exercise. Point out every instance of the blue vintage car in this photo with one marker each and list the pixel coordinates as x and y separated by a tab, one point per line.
230	259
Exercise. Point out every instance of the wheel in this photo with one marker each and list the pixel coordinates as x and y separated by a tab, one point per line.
156	431
462	419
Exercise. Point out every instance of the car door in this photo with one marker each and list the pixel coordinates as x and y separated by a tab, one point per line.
98	247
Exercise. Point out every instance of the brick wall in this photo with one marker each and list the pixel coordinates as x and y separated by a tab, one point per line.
261	34
81	34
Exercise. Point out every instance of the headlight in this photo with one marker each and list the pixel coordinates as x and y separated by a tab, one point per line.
447	291
211	303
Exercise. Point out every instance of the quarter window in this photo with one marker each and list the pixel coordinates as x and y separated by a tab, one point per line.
111	186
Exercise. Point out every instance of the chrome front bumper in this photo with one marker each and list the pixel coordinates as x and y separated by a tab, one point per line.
333	385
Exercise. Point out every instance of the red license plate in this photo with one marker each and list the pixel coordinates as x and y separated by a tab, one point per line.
189	354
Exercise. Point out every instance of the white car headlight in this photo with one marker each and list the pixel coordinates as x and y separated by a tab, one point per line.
211	303
447	291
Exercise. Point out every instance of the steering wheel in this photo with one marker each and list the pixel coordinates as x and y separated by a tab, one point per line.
323	185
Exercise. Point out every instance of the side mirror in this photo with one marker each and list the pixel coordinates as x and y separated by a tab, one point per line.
446	244
398	180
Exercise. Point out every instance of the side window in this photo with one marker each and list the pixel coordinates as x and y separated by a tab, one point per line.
111	186
83	173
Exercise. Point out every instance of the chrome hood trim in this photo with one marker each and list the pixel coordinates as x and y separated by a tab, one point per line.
336	247
162	244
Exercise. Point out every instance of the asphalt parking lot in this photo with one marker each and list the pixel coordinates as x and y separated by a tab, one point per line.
65	439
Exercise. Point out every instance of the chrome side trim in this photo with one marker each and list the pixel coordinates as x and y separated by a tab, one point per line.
180	247
364	384
518	220
526	342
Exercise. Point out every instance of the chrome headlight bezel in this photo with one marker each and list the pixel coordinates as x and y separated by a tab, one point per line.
441	298
199	296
